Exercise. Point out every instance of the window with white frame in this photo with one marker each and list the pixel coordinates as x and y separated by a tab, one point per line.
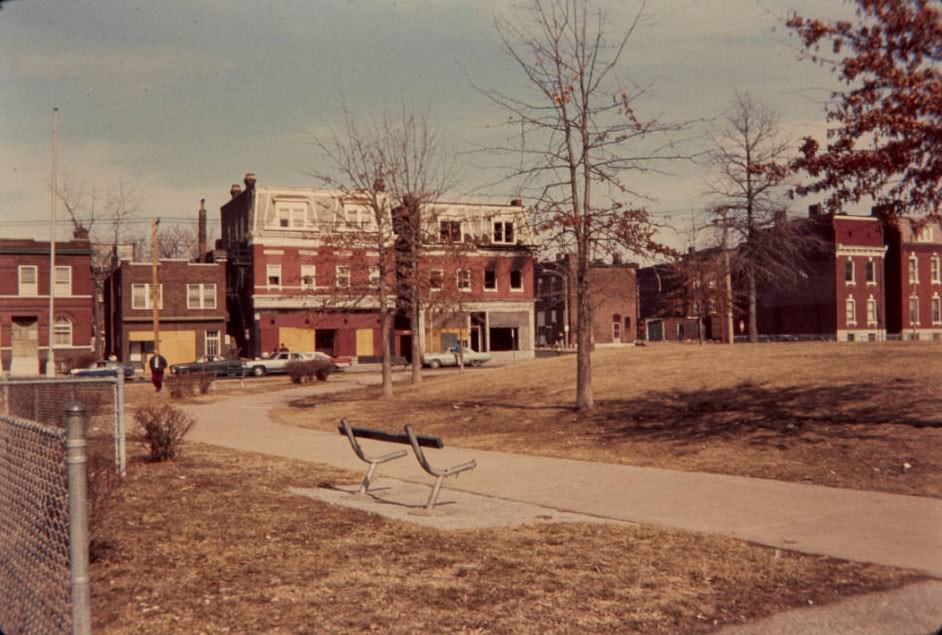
63	281
849	271
504	232
925	234
934	271
294	215
308	277
913	310
851	310
140	296
342	279
913	270
871	312
353	217
28	276
871	272
374	277
516	280
273	276
463	279
449	231
936	309
62	332
201	296
212	343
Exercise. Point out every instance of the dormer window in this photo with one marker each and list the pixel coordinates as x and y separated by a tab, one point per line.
504	232
450	231
292	215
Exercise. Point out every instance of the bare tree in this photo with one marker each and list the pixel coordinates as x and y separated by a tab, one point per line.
104	222
395	167
579	138
751	159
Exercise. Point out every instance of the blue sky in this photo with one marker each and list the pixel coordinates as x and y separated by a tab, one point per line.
180	98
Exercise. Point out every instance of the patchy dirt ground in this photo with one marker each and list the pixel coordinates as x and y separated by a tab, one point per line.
216	543
865	416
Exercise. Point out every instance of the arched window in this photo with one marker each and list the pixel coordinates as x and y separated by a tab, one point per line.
62	332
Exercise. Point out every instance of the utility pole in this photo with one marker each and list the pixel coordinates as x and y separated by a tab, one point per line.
50	335
154	285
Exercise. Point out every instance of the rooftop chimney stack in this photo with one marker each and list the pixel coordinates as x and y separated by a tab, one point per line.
235	190
516	202
201	235
249	181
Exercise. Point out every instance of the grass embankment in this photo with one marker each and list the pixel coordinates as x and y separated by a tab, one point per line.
865	416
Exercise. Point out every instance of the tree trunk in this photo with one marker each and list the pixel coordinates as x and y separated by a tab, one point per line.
416	339
753	320
384	335
584	399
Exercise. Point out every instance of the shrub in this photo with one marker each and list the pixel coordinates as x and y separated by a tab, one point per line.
164	427
183	386
204	381
308	370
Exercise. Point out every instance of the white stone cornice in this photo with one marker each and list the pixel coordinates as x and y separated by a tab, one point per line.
852	250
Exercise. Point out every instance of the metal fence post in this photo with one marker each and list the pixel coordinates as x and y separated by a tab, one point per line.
119	429
76	461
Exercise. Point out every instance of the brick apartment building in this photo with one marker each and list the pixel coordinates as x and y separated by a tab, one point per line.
840	291
614	301
24	304
686	299
914	279
296	280
191	309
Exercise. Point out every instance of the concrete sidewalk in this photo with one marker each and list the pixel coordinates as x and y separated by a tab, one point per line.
901	531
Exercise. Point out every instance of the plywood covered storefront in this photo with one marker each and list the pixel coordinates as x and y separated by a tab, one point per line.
176	346
297	339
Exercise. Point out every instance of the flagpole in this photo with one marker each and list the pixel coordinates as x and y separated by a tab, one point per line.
51	355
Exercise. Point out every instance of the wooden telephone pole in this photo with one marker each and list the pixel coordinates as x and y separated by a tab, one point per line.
154	285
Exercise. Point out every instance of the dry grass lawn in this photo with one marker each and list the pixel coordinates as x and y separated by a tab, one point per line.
862	416
214	543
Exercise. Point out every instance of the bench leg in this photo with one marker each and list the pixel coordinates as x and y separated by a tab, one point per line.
433	498
365	485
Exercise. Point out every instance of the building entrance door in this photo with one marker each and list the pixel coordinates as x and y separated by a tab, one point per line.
25	354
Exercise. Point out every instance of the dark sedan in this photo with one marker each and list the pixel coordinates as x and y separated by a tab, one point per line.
215	365
105	368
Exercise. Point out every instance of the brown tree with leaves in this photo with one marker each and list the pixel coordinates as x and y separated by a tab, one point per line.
580	135
886	128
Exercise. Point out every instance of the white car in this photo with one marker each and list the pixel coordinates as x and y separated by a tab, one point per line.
470	357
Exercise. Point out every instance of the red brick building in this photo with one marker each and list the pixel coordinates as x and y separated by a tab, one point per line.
839	292
614	301
914	279
24	304
191	310
297	277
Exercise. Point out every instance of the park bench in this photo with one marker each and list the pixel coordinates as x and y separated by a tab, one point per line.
417	441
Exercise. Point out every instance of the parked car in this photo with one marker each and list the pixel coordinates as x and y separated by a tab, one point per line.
104	368
276	364
337	364
216	365
450	357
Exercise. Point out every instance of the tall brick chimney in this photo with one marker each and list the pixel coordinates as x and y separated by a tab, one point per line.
249	181
235	190
201	232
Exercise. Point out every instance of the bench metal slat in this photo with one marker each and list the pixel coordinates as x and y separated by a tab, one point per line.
424	440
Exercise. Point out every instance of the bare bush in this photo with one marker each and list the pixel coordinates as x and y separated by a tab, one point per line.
301	372
164	427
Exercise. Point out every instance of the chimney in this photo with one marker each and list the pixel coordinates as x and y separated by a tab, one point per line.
379	185
235	190
516	202
814	211
201	232
249	181
616	259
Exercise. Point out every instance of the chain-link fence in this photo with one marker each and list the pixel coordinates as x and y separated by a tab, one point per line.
37	542
45	399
